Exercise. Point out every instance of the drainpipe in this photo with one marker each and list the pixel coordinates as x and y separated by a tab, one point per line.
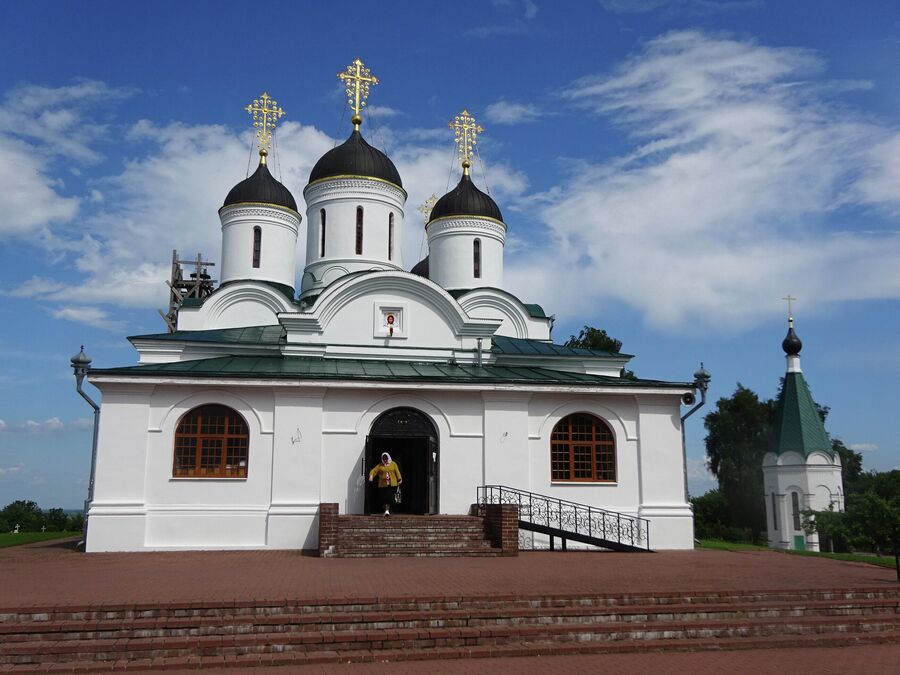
81	364
701	382
480	348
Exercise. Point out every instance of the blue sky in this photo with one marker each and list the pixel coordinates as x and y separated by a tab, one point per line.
668	169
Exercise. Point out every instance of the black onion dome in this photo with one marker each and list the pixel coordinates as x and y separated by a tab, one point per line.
355	157
421	268
466	200
791	343
261	187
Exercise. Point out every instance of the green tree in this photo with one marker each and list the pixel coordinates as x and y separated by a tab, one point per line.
55	519
738	432
595	338
851	465
598	340
26	514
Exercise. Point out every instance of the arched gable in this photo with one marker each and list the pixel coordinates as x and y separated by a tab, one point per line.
240	304
517	320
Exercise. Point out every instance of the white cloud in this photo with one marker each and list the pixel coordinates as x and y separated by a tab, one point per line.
505	112
739	162
2	425
10	470
29	200
91	316
700	479
381	112
52	424
863	447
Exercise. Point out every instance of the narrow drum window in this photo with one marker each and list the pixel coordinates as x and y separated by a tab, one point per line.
359	229
476	250
795	510
322	233
582	448
211	441
390	236
257	245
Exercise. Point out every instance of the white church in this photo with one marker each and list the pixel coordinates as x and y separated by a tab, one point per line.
269	398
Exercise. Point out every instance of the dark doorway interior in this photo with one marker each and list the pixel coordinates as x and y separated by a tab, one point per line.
409	436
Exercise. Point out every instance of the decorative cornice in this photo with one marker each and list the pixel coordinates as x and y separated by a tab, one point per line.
463	216
448	226
264	205
353	180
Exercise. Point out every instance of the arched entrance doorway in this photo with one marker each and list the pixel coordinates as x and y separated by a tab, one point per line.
411	438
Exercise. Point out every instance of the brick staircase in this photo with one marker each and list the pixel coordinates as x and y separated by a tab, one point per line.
418	536
335	630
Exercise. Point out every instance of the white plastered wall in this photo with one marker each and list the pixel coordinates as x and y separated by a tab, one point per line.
307	444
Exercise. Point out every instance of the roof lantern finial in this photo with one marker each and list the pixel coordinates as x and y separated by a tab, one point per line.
466	131
266	113
358	79
791	344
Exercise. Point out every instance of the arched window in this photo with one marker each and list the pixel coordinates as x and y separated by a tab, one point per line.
582	448
390	236
257	245
359	229
211	441
322	233
795	510
476	250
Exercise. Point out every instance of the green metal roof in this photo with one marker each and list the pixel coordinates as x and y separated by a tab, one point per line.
521	346
302	367
252	335
798	427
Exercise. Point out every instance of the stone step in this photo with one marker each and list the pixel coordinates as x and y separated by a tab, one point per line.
275	607
419	619
433	657
56	651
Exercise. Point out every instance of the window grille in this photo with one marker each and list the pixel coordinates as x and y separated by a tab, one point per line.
582	448
211	441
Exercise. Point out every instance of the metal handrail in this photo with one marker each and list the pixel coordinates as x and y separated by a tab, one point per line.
571	520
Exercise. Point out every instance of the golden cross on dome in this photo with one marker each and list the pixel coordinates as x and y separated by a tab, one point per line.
426	206
358	80
466	131
266	113
790	298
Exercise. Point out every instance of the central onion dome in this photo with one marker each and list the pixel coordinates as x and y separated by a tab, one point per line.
355	157
466	200
261	188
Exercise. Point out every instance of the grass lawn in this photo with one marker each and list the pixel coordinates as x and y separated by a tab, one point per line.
31	537
719	545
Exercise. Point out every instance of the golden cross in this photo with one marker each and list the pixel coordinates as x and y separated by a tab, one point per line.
264	119
358	79
790	298
466	131
426	206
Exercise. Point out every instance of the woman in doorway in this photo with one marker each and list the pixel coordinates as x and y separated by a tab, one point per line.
389	479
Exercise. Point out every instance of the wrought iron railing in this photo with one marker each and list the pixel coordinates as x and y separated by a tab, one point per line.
570	520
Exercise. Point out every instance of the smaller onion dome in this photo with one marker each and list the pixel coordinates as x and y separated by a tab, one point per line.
466	200
261	187
421	268
355	157
791	343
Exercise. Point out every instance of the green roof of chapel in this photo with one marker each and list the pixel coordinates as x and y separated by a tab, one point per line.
798	426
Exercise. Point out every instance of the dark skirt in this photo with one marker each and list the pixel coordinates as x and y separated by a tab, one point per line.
386	495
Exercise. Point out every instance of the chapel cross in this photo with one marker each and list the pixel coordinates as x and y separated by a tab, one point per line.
265	116
790	298
466	132
358	78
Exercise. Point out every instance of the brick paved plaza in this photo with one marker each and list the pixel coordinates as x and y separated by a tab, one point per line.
53	575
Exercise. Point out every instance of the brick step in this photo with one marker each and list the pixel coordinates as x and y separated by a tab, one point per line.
387	604
419	553
50	651
409	534
245	624
363	544
437	655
